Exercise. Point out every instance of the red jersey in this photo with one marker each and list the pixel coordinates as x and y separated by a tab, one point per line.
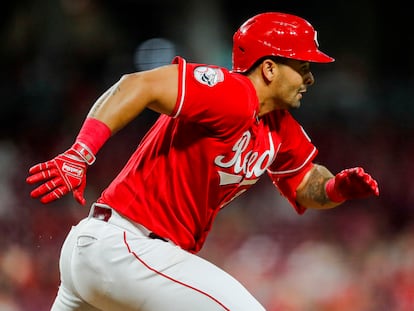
212	148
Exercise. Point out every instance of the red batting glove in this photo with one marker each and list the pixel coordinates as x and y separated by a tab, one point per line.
64	173
352	183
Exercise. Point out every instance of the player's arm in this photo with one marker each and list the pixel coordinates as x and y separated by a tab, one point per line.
321	189
156	89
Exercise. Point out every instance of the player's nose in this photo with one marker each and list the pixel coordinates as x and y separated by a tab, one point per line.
308	79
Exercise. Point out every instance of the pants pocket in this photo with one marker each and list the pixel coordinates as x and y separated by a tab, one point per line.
85	240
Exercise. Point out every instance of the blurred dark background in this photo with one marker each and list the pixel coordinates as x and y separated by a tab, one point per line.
58	56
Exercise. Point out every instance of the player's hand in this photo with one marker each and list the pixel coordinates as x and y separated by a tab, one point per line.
352	183
64	173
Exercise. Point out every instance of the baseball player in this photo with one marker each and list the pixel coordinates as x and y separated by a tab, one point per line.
218	132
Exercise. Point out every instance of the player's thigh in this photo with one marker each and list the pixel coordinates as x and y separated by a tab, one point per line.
173	279
114	269
67	301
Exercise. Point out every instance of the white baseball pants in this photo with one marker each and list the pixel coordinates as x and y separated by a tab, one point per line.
114	266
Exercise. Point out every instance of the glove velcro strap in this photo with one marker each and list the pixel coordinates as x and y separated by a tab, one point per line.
84	152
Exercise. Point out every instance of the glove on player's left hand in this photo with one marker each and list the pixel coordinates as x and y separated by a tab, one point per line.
352	183
64	173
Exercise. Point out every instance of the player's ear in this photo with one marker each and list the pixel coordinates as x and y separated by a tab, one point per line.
269	69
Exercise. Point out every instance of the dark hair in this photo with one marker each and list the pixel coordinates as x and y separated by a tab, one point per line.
276	59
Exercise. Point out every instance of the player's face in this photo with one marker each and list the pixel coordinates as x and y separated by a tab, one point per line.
292	81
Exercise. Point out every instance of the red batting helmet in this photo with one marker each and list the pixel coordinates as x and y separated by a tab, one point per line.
276	34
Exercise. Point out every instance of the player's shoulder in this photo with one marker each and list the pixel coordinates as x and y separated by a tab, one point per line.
219	84
210	75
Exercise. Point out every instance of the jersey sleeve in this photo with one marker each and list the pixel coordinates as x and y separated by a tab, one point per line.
206	93
293	160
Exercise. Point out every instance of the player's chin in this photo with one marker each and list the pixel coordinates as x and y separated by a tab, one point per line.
295	104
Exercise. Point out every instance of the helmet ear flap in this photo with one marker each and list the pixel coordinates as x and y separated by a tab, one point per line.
275	34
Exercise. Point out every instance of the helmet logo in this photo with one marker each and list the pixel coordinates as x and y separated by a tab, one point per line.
208	76
315	38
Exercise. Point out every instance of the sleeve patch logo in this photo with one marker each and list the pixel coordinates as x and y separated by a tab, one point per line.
208	76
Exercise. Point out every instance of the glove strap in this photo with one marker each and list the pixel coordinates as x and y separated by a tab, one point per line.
332	193
84	152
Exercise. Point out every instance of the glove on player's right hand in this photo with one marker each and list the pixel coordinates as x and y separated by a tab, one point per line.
64	173
352	183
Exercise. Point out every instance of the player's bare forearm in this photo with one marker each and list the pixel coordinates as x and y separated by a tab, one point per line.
126	99
120	103
311	192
